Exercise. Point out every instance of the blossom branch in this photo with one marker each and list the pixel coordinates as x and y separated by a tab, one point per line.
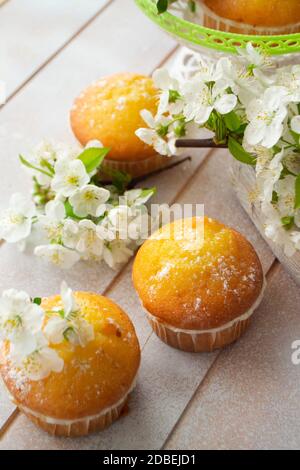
198	143
251	108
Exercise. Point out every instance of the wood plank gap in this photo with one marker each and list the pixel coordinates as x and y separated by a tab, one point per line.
273	269
207	375
57	52
166	58
119	274
160	64
269	275
8	422
189	181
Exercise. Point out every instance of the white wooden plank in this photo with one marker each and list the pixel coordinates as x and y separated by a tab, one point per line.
251	398
32	31
53	119
168	184
165	386
6	406
24	121
112	43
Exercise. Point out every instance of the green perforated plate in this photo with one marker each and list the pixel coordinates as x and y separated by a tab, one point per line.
197	37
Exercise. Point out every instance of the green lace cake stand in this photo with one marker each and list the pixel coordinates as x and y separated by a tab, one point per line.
211	41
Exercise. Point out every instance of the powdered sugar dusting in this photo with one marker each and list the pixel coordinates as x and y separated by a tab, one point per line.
20	380
164	271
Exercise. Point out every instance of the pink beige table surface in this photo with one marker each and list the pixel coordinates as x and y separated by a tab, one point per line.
244	397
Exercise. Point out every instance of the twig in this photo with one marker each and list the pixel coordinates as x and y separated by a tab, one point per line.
199	143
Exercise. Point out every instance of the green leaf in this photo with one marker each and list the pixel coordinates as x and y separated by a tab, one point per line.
220	130
174	95
61	313
239	153
70	211
274	197
241	129
192	5
146	194
285	172
37	300
287	222
46	164
295	136
162	6
232	121
33	167
297	191
180	130
162	130
93	157
120	179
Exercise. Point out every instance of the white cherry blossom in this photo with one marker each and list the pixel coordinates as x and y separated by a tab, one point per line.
89	200
41	362
208	71
274	230
69	176
51	224
285	189
70	233
202	99
44	157
295	124
137	197
20	320
16	221
119	218
106	231
116	253
89	245
139	226
266	116
289	78
58	255
68	300
170	96
68	324
151	135
254	56
268	177
76	330
242	84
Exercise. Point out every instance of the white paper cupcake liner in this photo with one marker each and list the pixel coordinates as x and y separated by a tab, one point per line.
80	426
204	340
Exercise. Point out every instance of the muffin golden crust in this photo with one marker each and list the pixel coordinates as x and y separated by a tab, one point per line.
95	378
109	111
193	285
267	13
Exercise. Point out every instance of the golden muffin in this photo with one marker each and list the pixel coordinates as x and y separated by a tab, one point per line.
109	111
92	389
253	17
199	282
